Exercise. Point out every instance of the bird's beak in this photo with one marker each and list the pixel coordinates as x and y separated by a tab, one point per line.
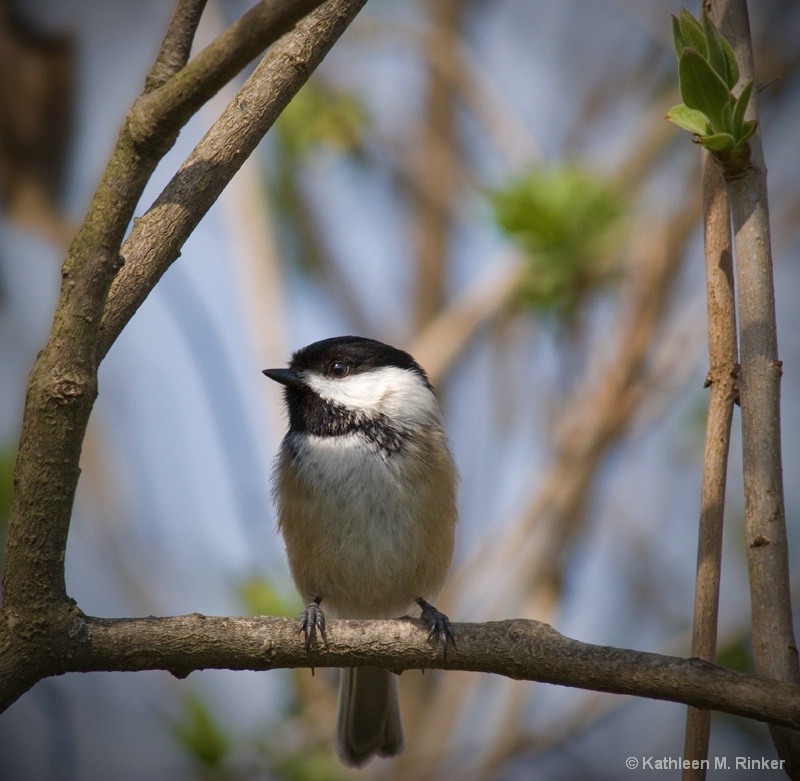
285	377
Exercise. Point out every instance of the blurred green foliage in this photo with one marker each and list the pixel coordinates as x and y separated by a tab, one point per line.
564	219
320	115
315	764
737	655
260	597
201	736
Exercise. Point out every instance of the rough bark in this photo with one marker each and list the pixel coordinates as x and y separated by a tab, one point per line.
520	649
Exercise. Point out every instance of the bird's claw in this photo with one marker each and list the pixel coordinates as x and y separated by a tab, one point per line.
438	626
311	620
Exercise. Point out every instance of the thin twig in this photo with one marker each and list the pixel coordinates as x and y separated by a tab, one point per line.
448	334
723	354
177	43
165	110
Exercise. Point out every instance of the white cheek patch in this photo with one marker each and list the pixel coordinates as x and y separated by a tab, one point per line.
400	394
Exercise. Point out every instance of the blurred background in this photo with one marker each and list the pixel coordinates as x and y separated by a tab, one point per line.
490	185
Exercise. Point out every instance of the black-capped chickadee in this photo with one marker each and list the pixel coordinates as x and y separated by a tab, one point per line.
366	494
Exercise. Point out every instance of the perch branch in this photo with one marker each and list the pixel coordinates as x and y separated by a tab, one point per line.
520	649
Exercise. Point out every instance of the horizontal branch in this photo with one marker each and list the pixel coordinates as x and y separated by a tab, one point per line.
520	649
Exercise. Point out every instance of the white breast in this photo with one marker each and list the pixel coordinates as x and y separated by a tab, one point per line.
369	506
355	520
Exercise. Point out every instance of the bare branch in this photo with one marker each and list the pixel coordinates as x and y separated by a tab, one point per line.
63	384
723	355
520	649
177	43
167	109
447	335
156	239
37	617
774	645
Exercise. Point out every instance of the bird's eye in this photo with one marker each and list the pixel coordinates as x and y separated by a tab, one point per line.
339	369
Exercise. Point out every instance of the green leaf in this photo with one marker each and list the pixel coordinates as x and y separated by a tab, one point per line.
702	88
732	65
716	54
740	108
748	128
717	142
677	37
689	119
313	763
727	118
693	33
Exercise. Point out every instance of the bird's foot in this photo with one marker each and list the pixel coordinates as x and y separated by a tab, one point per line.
312	619
438	626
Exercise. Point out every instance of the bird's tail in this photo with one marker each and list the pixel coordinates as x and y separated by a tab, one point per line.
369	716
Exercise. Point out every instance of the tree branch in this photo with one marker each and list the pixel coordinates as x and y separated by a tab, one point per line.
520	649
63	385
62	389
177	43
37	617
164	111
774	645
723	355
156	239
447	335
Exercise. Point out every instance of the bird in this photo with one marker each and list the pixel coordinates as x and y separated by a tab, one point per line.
365	488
